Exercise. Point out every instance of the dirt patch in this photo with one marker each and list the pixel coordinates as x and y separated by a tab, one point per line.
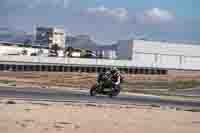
90	119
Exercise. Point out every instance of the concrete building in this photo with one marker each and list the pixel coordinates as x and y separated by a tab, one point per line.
16	50
108	54
146	53
124	49
47	36
81	42
107	51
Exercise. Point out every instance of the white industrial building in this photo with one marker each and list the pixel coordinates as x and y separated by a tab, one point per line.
107	52
144	53
129	53
48	36
124	50
16	50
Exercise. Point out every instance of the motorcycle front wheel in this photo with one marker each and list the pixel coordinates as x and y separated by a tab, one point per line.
115	92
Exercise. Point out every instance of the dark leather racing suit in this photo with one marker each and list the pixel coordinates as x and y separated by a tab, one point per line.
115	80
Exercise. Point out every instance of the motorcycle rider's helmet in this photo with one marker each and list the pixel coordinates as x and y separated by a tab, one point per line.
114	70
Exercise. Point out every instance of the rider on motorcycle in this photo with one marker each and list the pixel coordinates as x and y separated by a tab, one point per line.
108	80
112	75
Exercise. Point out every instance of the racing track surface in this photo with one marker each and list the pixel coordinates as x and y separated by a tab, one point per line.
83	96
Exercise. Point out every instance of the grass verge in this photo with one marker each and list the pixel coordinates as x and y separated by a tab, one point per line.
160	85
8	82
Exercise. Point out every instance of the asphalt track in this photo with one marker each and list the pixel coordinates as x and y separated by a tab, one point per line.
56	95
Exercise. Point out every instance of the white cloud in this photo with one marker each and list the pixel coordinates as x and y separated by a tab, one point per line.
154	15
119	13
36	3
157	15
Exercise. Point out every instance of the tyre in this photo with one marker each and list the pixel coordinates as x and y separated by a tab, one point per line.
116	92
93	90
111	95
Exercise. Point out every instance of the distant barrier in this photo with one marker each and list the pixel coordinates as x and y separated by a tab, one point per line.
145	60
53	64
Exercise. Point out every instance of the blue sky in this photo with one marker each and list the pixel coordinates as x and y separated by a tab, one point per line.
108	20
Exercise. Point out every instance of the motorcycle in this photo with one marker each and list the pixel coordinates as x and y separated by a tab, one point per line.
104	86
